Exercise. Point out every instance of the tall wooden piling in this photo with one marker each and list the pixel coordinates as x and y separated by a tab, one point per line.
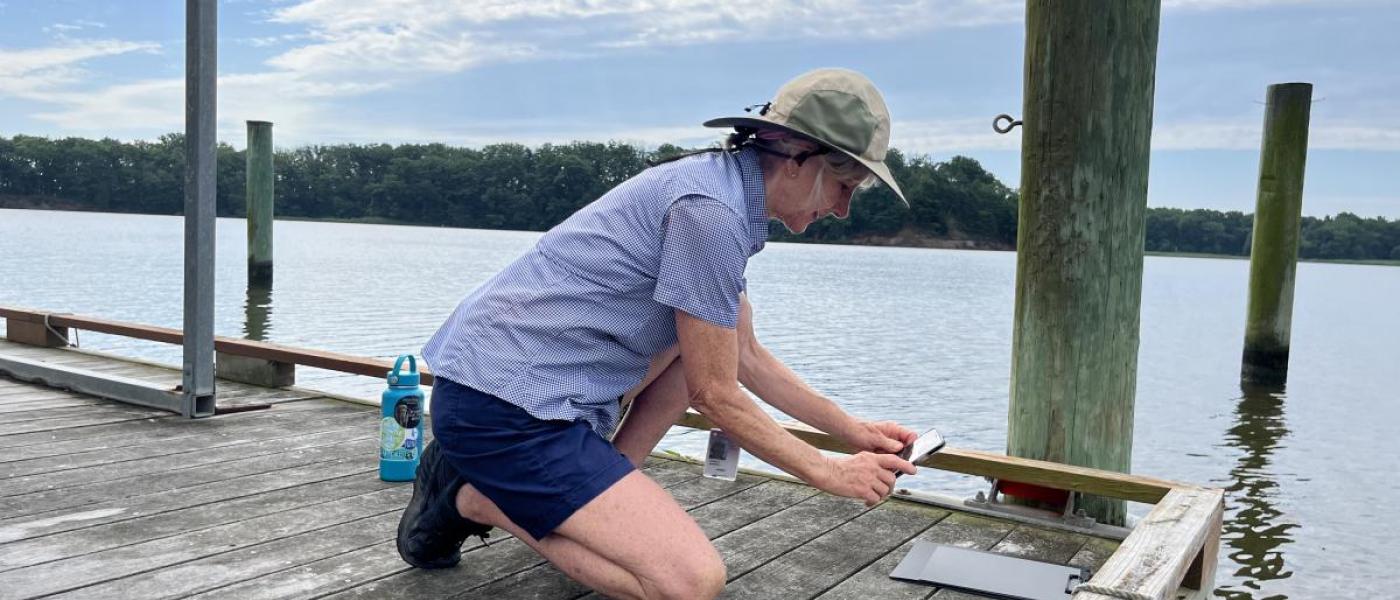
1273	255
1089	77
260	201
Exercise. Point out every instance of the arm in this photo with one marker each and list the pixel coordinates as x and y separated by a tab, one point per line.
770	379
710	362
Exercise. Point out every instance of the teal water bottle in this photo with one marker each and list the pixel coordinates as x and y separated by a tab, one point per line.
401	423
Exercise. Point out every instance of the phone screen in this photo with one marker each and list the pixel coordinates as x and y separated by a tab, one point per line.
928	443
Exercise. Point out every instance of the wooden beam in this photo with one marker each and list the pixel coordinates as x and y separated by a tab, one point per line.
334	361
1155	557
989	464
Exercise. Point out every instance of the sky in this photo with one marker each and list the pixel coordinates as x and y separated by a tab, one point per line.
647	72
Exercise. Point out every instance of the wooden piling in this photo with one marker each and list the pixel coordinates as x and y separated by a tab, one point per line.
260	201
1273	255
1089	78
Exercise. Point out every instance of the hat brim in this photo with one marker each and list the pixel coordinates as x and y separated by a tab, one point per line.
881	171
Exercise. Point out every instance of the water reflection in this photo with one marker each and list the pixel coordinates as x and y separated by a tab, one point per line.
1255	532
257	310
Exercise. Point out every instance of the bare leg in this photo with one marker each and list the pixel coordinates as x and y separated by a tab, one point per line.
656	408
632	541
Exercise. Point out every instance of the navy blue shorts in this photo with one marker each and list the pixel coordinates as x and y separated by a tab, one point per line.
538	472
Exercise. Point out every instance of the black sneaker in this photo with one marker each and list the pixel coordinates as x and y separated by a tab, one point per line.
431	531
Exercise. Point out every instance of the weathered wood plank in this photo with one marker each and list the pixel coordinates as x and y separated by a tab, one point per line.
1094	553
242	425
38	394
39	418
749	506
120	500
224	555
129	532
287	431
1154	558
752	546
318	578
162	463
165	425
73	423
1201	575
43	404
823	562
958	529
667	473
704	490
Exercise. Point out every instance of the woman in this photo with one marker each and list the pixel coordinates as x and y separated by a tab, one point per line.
639	298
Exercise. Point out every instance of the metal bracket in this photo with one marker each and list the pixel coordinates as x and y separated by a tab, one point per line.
104	385
1071	515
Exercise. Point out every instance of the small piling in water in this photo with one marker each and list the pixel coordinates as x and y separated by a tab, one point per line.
260	201
1090	74
1273	255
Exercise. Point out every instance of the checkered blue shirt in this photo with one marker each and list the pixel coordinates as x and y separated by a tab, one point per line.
572	324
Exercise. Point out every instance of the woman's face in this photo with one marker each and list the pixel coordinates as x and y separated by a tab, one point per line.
811	194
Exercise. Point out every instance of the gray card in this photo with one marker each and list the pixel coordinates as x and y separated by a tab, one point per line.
988	573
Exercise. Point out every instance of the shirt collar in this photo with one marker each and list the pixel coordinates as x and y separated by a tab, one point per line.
754	199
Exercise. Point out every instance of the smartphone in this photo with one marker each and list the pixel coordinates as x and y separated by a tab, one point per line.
928	443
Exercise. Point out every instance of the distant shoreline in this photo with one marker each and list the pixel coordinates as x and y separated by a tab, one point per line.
905	239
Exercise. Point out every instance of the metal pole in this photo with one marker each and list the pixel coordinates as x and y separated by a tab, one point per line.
201	70
260	203
1090	74
1278	213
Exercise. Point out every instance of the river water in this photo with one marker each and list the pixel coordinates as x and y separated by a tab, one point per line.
921	336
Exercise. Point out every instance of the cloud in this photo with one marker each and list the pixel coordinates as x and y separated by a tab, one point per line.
1235	135
435	36
37	73
340	49
158	104
77	25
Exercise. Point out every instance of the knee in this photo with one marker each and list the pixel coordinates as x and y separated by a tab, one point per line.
703	579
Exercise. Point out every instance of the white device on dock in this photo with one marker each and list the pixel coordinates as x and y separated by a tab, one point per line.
722	457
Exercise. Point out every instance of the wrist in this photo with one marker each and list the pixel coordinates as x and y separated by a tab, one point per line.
852	431
817	471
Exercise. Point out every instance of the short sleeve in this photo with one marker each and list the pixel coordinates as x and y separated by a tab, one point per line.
703	256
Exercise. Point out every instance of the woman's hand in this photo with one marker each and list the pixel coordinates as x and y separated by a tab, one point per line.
885	437
865	476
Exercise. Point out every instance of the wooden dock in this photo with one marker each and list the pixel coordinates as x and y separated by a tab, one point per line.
279	494
105	500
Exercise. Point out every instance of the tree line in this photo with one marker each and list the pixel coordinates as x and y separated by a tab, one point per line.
511	186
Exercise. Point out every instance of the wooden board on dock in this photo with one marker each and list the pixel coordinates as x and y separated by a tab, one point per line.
106	501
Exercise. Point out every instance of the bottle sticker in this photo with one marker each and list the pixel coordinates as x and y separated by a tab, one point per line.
397	442
722	457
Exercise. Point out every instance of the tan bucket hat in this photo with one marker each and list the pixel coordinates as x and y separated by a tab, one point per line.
838	108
